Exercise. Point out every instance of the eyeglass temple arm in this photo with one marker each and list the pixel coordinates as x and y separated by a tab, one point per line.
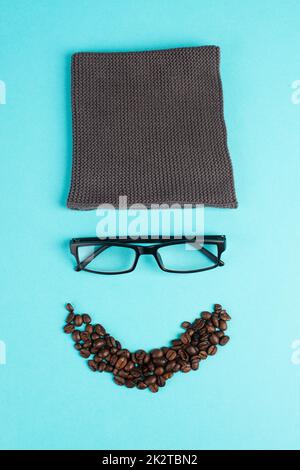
211	256
88	259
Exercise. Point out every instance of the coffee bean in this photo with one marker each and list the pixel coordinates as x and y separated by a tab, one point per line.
171	354
191	350
70	317
77	346
103	353
101	366
86	318
161	382
168	375
121	362
205	315
76	336
84	336
69	329
159	371
129	366
224	316
69	307
195	365
99	330
89	329
217	307
129	384
121	373
186	368
202	355
119	380
223	325
176	342
111	342
176	368
78	320
85	353
142	385
183	354
210	329
150	380
153	388
185	324
212	350
170	366
215	321
224	340
99	343
213	339
156	353
92	365
185	338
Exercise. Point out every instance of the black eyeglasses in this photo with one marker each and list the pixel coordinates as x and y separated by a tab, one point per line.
119	256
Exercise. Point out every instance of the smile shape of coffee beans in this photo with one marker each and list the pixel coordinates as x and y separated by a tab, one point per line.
148	370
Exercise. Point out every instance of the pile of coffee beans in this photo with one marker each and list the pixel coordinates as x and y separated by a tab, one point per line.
152	369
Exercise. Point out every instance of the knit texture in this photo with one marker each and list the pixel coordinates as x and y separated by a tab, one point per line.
149	126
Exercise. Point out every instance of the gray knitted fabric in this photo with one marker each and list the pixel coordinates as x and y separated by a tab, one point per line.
149	125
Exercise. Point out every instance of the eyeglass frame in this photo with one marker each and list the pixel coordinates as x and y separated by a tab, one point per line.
156	243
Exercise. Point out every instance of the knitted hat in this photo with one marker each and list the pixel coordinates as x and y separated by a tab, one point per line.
149	126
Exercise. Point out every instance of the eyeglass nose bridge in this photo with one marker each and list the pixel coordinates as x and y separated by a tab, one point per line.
145	250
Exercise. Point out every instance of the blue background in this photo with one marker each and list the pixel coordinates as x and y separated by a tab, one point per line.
248	395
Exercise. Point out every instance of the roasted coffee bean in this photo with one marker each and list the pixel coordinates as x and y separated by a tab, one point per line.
171	355
129	384
153	388
224	316
159	371
210	329
176	368
109	368
195	365
222	325
217	307
69	307
69	329
190	332
86	318
215	321
111	342
87	344
99	330
150	380
121	362
136	372
161	382
89	329
139	356
161	361
202	355
205	315
198	324
212	350
147	359
92	365
84	336
70	317
122	373
224	340
168	375
176	342
101	366
203	345
85	353
185	324
129	366
103	353
113	359
142	385
191	350
170	366
99	343
219	334
213	339
77	346
156	353
183	354
78	320
185	338
119	380
76	336
186	368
